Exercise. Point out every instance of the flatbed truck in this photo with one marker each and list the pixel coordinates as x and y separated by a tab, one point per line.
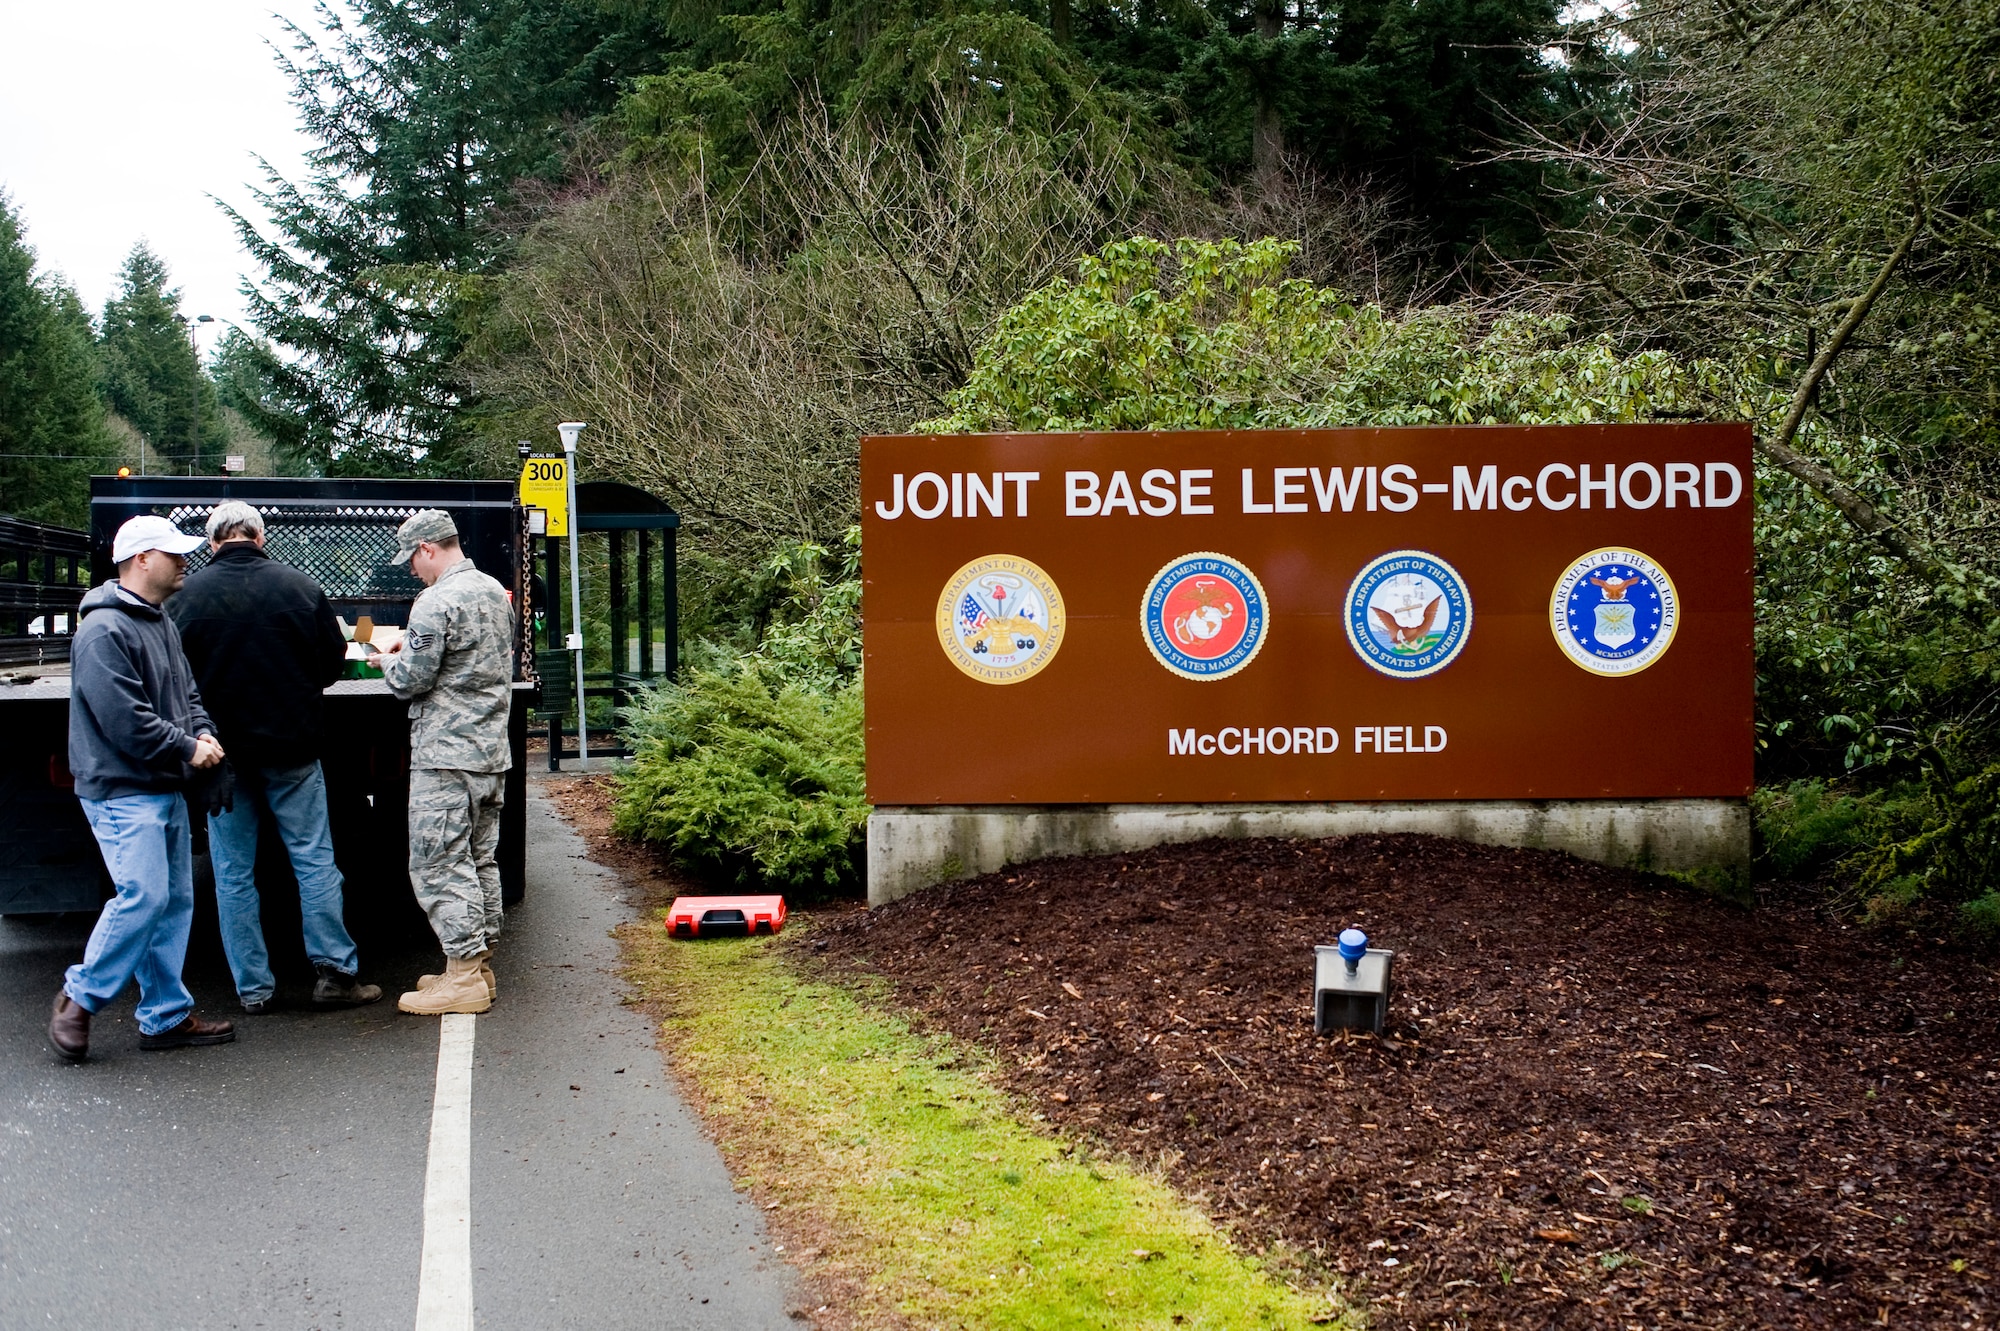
342	533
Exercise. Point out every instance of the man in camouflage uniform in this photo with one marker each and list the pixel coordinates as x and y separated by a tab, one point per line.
455	666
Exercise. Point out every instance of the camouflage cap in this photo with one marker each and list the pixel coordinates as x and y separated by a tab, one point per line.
426	524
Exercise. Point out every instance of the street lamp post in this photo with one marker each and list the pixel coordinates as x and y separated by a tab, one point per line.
194	421
569	430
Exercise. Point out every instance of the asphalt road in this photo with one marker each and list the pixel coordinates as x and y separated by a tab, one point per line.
279	1181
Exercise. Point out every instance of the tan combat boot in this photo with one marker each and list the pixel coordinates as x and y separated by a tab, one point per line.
485	972
459	989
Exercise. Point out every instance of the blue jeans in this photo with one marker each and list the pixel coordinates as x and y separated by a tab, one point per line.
142	932
296	800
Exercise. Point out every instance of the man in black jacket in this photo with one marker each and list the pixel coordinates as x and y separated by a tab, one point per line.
264	644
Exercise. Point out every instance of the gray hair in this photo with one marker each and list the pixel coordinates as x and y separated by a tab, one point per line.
234	520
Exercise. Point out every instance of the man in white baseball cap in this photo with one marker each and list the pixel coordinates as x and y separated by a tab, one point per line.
137	730
150	533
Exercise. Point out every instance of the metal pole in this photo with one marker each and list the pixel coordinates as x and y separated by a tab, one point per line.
552	566
194	423
569	431
645	605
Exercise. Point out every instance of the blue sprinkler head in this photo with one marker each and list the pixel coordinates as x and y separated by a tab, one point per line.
1353	947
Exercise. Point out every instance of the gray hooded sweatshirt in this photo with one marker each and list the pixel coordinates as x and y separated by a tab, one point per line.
133	709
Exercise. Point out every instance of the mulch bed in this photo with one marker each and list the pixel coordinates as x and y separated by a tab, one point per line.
1603	1100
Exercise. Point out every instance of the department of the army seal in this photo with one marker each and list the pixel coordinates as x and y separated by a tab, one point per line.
1614	611
1204	616
1000	619
1408	614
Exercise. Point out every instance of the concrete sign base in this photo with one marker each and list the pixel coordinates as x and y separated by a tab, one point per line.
912	847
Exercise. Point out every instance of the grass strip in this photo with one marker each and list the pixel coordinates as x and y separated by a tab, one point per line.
952	1210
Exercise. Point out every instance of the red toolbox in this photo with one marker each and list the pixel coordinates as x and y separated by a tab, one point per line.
720	917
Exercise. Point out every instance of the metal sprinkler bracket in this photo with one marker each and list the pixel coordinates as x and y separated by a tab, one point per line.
1351	985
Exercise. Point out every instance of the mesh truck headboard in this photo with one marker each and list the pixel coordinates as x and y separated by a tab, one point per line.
339	532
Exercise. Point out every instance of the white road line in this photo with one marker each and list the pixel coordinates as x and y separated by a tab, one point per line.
444	1289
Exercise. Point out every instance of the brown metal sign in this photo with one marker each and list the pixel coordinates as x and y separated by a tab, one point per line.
1502	612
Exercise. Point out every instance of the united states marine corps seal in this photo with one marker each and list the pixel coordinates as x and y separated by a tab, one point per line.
1614	612
1408	614
1000	619
1204	616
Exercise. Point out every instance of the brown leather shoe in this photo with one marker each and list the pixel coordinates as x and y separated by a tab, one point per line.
192	1030
69	1029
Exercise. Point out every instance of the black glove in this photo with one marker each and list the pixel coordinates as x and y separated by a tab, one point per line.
213	789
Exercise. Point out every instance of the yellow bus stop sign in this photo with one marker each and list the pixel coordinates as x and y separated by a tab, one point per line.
545	485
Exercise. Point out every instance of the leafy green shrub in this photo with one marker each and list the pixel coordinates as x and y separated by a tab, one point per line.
814	638
751	767
1205	335
758	784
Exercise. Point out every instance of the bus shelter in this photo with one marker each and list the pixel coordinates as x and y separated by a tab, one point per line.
631	611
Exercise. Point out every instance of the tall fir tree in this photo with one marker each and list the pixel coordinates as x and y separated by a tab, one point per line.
744	66
243	369
1414	95
1411	94
52	433
152	376
426	114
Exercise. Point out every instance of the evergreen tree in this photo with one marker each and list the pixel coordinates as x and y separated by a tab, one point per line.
152	376
1410	95
51	422
243	369
745	68
426	115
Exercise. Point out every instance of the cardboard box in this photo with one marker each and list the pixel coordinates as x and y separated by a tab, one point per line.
367	640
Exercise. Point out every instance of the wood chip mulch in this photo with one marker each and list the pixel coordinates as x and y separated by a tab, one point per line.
1603	1100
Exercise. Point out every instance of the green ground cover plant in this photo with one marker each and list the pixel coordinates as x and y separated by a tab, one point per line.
1809	825
1903	849
749	779
750	767
926	1180
1952	861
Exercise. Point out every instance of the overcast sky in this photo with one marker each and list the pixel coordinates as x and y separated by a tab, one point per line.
120	118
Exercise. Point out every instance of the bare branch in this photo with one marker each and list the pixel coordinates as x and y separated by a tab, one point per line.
1856	509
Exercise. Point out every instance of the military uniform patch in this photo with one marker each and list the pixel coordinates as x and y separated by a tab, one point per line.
456	671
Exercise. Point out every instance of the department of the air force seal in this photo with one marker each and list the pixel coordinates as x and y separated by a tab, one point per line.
1408	614
1000	619
1204	616
1614	611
